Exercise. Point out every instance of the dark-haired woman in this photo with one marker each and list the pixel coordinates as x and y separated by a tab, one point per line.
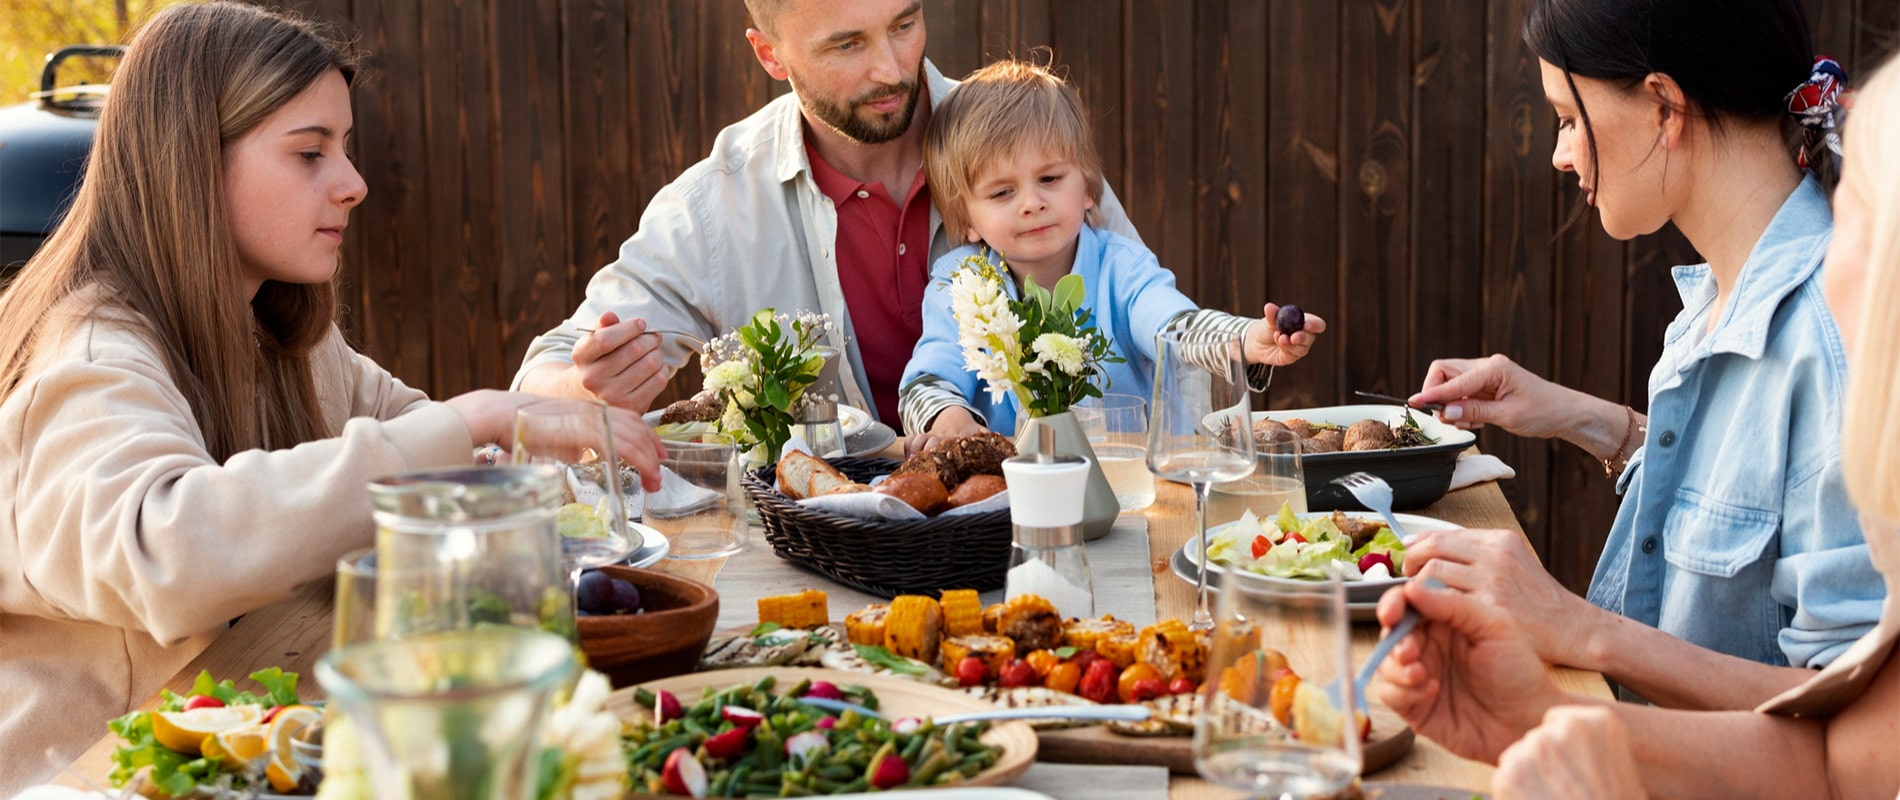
1736	565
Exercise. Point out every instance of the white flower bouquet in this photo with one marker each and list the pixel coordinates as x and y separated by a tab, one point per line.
761	371
1043	348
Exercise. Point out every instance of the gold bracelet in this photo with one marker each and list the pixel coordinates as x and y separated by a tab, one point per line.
1621	458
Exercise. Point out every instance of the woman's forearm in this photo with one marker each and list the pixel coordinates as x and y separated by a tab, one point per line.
1673	673
1600	427
1727	754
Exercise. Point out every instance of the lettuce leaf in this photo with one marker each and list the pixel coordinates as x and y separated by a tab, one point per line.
1387	542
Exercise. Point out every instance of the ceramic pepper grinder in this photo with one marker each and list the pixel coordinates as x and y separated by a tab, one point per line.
1047	556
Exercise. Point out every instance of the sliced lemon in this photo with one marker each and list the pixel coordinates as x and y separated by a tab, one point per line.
283	770
240	744
186	731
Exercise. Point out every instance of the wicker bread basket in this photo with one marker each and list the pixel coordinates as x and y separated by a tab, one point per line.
883	557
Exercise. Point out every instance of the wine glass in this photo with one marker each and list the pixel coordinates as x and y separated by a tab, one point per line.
1278	478
1275	717
1201	430
576	436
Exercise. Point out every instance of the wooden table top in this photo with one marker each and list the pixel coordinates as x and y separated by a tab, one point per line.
294	633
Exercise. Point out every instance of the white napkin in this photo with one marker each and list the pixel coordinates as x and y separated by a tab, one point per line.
676	494
1472	470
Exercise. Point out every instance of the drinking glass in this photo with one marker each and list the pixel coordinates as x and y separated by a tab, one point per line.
1277	478
450	715
698	504
1244	739
576	436
1202	430
1117	427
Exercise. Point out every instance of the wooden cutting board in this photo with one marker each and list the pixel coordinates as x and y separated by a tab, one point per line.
1096	745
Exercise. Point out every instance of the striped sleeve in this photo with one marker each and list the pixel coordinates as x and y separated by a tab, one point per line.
926	396
1207	324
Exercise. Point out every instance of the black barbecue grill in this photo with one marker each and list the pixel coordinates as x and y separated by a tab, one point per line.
43	147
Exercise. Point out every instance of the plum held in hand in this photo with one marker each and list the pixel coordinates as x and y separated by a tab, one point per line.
1290	320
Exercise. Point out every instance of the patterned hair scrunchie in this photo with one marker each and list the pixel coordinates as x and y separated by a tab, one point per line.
1816	106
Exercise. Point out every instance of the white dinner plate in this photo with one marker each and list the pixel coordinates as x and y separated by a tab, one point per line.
1356	591
653	546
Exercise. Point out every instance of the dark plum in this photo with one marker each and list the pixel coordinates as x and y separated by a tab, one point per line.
626	598
594	593
1290	320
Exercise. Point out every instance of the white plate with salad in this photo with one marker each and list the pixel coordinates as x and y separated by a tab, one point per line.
854	420
1306	547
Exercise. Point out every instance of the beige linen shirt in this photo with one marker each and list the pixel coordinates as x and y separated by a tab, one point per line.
126	547
1847	677
742	230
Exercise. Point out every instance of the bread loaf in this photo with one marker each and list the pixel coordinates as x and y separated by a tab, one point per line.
921	492
976	489
801	475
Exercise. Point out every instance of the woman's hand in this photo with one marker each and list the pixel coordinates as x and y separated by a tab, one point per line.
1499	568
1466	677
1265	344
1579	752
950	423
490	417
1496	391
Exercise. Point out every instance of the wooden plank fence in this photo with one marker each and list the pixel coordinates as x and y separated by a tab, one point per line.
1384	163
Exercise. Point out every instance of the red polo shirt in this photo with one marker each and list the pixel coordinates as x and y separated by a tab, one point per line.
883	264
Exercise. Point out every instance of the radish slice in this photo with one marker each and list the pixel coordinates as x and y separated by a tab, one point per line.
825	690
826	724
889	771
666	707
683	774
804	744
907	725
742	716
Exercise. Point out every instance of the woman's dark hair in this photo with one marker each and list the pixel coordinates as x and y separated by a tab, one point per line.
1733	58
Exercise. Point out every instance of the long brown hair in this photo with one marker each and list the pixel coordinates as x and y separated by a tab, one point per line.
148	227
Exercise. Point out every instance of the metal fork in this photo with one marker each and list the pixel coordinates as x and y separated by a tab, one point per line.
1379	651
1130	713
698	343
1374	493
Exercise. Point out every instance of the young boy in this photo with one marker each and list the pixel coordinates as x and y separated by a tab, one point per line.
1011	164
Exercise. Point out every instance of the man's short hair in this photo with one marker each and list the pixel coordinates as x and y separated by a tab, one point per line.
1007	106
765	14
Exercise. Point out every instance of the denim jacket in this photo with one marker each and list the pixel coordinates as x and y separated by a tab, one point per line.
1735	532
741	230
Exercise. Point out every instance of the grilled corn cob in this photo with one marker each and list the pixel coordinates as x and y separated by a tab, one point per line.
992	617
1173	650
1032	622
866	625
914	628
807	609
996	651
962	612
1119	649
1086	634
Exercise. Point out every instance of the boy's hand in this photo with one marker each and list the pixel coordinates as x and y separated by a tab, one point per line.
949	424
1265	345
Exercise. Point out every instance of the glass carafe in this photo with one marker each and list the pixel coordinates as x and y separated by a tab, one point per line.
467	548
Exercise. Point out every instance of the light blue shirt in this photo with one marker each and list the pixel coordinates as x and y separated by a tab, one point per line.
1127	291
1735	532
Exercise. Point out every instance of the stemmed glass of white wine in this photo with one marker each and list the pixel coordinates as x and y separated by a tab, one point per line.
1201	429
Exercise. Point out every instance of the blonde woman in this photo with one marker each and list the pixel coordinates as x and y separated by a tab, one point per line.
1469	679
184	434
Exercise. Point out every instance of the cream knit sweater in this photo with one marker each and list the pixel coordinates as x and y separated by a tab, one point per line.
125	547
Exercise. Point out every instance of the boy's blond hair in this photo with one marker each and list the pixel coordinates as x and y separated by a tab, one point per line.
1870	446
1004	107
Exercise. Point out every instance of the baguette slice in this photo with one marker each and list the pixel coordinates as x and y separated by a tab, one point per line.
801	475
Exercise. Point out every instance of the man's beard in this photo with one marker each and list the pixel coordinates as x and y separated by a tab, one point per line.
878	128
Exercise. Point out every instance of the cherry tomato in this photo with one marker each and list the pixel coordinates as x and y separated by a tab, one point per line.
971	671
1063	677
1125	686
1041	661
1147	689
1016	673
1292	536
198	701
1098	683
1181	686
1084	658
1260	546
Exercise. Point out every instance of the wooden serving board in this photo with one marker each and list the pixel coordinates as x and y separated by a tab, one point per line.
1096	745
896	698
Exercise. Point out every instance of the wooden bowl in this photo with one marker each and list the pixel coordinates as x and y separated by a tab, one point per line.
666	640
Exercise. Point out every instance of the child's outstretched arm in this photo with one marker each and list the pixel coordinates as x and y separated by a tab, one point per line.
935	409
